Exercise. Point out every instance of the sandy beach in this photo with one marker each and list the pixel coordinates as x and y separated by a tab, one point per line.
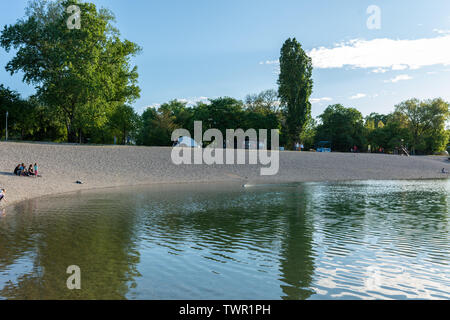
61	165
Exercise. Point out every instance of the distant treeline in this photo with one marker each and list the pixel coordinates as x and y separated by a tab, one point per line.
85	83
418	125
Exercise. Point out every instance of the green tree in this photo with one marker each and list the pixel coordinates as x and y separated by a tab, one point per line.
181	113
10	102
426	123
308	135
295	87
157	128
221	113
47	124
264	102
125	121
28	119
389	133
83	73
344	127
374	124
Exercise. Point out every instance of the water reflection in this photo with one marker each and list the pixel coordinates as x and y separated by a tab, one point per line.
304	241
297	258
44	237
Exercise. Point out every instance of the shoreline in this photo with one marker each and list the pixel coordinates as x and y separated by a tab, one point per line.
103	167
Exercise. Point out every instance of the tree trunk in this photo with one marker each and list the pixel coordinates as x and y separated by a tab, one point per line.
71	132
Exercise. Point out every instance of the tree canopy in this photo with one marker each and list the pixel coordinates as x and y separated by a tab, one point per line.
83	73
426	123
343	127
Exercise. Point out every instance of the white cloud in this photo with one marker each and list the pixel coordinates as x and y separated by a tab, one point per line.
397	67
140	110
193	101
401	77
358	96
318	100
384	54
440	31
270	62
380	70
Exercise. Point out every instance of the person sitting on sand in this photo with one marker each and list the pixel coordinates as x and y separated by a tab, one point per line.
30	170
25	170
16	170
21	170
2	195
444	171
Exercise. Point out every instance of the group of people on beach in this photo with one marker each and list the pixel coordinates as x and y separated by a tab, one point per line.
22	170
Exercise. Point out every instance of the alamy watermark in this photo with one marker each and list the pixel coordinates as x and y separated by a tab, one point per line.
74	20
374	20
236	143
74	281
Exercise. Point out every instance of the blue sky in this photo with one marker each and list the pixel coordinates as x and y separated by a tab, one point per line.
197	49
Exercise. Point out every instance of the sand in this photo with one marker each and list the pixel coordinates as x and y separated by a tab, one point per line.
61	165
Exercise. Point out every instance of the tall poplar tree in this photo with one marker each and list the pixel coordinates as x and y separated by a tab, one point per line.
295	87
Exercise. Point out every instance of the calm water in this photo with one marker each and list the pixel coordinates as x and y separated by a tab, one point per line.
354	240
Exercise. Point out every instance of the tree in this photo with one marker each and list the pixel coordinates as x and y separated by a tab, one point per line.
426	123
157	128
182	115
83	74
47	124
264	102
28	119
221	113
389	133
344	127
295	87
374	124
308	135
125	121
375	120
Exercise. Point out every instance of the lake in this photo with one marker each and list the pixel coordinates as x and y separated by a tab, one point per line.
346	240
